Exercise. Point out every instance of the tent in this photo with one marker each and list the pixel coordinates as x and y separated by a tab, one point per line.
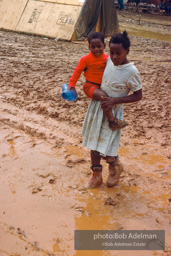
62	19
96	15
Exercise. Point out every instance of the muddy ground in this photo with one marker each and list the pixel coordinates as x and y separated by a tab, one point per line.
44	167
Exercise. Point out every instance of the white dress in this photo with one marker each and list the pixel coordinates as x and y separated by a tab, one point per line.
117	81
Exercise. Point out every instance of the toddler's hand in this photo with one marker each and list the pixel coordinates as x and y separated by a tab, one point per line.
107	103
71	88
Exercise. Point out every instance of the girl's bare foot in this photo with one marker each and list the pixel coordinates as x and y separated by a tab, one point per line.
96	180
115	170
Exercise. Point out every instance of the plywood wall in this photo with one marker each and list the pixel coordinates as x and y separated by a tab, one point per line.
51	18
68	2
10	13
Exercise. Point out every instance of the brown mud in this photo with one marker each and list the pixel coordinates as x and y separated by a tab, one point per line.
44	167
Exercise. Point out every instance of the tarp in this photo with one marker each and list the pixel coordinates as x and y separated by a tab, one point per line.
89	16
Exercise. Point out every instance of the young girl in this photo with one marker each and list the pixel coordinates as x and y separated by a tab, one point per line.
119	78
93	66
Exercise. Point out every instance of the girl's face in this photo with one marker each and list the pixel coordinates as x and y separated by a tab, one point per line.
97	47
118	54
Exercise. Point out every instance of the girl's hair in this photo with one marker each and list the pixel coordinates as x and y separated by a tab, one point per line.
121	38
96	35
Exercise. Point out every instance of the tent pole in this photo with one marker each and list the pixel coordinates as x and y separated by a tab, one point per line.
99	23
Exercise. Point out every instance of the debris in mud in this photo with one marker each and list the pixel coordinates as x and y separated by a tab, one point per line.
18	230
113	201
73	186
36	190
83	191
52	181
21	232
81	210
78	208
11	228
110	201
36	246
71	162
58	143
44	176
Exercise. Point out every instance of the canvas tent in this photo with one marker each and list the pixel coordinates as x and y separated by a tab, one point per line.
96	15
63	19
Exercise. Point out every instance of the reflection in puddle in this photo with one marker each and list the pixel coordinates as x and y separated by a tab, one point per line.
137	31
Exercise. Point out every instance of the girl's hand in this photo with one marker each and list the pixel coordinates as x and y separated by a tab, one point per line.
71	89
107	103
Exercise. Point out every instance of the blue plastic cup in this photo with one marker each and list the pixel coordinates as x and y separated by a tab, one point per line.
67	94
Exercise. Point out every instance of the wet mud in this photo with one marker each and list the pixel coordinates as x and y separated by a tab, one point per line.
44	168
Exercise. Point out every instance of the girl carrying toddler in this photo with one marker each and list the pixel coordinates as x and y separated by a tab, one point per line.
93	66
119	79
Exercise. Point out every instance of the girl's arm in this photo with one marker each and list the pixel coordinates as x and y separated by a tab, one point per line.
107	102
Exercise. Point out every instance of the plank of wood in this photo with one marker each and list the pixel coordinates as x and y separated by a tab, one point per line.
68	2
11	12
49	19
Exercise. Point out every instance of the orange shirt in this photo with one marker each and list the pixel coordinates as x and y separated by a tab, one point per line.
93	68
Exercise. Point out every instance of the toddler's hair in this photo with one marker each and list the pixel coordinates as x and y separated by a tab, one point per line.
121	38
96	35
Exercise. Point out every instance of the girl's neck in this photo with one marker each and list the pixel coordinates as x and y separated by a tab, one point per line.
125	62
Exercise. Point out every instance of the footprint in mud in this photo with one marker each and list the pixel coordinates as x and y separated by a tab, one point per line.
73	160
132	179
52	178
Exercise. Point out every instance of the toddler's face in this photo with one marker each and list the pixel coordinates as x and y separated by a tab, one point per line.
96	46
118	54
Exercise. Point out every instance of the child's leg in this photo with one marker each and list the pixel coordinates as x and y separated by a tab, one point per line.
114	123
96	179
93	92
98	95
115	170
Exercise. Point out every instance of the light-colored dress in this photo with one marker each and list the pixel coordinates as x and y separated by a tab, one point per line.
117	81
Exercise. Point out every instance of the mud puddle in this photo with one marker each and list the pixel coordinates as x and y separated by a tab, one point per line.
138	31
44	197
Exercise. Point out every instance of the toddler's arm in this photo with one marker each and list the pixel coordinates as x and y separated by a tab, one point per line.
77	72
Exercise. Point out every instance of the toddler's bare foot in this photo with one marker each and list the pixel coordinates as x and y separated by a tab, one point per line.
117	124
